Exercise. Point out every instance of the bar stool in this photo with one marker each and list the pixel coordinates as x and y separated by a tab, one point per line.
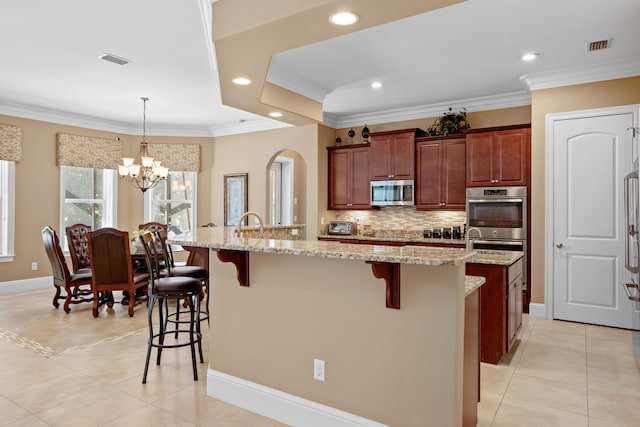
162	289
172	270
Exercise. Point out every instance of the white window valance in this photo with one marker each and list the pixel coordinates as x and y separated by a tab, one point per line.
10	143
177	157
88	152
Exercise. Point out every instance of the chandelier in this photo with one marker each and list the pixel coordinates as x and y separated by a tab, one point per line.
143	172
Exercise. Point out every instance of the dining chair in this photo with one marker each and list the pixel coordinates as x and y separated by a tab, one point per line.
79	247
152	226
112	268
194	271
77	286
162	289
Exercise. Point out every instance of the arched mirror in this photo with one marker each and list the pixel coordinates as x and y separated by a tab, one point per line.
286	185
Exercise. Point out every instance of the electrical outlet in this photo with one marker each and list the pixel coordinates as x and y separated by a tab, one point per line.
34	265
318	369
321	220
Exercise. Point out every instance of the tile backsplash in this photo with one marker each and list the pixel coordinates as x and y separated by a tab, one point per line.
402	218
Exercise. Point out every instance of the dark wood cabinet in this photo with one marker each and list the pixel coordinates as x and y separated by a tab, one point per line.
440	173
393	154
498	157
501	309
349	177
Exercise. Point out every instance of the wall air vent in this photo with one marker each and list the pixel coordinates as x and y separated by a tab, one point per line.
599	45
115	59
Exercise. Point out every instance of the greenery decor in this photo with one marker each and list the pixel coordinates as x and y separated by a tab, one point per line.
449	123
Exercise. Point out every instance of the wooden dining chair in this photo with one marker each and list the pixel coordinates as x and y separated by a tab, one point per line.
76	286
78	244
153	226
112	267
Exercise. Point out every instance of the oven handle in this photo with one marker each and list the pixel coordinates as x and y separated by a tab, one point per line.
631	227
497	242
495	200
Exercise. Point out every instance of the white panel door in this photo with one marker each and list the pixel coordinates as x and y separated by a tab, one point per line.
591	156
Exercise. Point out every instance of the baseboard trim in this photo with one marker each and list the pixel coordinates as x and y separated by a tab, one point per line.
537	311
279	406
26	285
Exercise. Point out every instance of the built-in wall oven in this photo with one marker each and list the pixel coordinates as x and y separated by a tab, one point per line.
497	219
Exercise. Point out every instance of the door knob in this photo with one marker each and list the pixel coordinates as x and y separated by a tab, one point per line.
559	246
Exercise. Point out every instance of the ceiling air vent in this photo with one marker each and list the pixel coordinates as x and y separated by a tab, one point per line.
598	45
115	59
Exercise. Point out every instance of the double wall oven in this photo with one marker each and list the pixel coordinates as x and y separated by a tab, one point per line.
497	219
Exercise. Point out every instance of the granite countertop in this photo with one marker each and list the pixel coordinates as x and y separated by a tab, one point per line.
471	283
401	239
223	238
487	256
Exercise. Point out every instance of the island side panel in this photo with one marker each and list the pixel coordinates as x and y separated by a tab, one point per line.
398	367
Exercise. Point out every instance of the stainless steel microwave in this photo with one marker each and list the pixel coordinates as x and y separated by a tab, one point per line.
393	193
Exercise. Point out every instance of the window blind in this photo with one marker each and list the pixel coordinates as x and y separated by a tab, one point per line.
88	152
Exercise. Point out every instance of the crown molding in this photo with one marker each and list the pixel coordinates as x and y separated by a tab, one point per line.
629	67
493	102
204	7
71	119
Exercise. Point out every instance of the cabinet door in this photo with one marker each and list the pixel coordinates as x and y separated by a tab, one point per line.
428	174
380	157
453	174
512	330
338	179
402	156
479	156
392	156
360	187
511	148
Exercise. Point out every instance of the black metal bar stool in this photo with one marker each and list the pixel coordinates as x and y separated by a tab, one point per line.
162	289
172	270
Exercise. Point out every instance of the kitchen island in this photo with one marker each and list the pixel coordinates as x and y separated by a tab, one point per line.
387	322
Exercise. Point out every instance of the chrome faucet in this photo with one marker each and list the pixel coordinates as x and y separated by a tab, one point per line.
468	236
245	215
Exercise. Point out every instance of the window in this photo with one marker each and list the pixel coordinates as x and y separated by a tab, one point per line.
281	191
7	209
88	197
173	202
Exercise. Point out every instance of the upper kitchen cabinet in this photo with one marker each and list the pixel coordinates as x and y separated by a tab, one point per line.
349	177
499	157
393	154
440	173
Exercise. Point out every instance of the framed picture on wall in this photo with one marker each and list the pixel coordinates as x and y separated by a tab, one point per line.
235	197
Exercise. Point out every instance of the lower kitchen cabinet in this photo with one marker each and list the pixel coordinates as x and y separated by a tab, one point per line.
501	309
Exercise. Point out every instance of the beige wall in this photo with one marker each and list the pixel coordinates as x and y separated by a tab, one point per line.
479	119
252	153
570	98
398	367
37	201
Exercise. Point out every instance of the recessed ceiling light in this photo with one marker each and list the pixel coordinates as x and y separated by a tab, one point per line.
344	18
376	85
529	56
275	114
241	81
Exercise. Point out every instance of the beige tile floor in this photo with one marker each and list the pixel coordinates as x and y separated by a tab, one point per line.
62	369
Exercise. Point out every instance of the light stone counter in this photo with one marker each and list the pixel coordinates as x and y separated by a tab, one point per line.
223	238
471	283
487	256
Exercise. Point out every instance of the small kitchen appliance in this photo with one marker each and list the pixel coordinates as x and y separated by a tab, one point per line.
343	228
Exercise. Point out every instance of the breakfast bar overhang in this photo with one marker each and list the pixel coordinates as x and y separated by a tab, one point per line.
310	300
